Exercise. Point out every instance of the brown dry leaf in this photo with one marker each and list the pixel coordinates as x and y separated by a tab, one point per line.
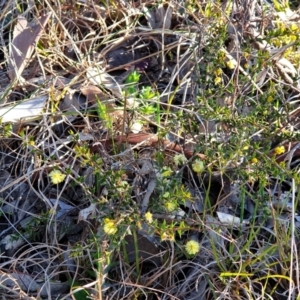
72	104
25	37
93	93
99	77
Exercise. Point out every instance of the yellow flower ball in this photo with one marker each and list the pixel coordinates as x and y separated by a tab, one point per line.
179	159
192	247
294	27
218	72
279	150
170	206
198	166
31	143
254	160
149	217
57	176
218	80
110	226
231	64
246	54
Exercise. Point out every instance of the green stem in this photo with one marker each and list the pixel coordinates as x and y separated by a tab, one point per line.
136	248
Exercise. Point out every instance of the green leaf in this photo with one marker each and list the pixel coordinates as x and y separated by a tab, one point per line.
80	295
147	93
102	113
133	77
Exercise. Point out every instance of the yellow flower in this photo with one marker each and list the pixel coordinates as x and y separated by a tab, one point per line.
231	64
185	193
167	236
218	72
170	206
217	80
270	98
110	226
246	55
31	143
279	150
276	42
192	247
149	217
294	27
179	159
198	166
139	225
57	176
254	160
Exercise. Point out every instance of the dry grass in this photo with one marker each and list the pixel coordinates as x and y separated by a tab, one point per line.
130	128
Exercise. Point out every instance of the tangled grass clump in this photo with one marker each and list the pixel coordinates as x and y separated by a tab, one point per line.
149	150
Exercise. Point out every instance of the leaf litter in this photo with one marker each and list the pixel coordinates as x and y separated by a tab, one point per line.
62	67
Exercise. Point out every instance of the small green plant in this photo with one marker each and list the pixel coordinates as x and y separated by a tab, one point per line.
131	83
5	130
103	113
